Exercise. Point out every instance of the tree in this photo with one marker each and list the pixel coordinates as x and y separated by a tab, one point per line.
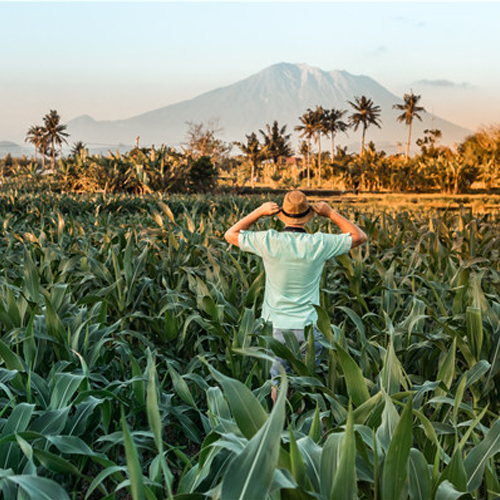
202	140
55	132
428	143
307	131
37	136
410	110
255	153
79	148
277	143
366	114
319	128
333	123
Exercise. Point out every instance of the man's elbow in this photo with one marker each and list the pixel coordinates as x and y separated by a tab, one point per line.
231	237
359	239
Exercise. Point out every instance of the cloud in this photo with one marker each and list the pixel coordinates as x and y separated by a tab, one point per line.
417	23
378	51
443	83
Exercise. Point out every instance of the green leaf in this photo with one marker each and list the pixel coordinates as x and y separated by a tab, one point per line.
455	472
395	470
356	385
71	445
390	419
446	372
152	409
39	488
330	458
311	453
323	322
138	385
391	375
250	474
475	330
12	360
446	491
56	463
134	467
108	471
420	476
475	461
248	413
65	386
344	483
18	421
315	430
180	386
297	465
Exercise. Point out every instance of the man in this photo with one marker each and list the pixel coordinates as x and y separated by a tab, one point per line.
293	260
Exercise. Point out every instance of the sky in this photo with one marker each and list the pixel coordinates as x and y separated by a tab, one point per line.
113	60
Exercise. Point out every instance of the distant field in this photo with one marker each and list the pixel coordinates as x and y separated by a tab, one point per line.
479	203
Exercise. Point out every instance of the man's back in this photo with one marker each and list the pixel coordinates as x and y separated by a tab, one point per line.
293	262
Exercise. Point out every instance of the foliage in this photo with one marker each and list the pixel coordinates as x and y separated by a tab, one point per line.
276	143
132	357
365	113
411	110
483	150
139	171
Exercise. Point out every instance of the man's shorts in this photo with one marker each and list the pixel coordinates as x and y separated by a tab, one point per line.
299	335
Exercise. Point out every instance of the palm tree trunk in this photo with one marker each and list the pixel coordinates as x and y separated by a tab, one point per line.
309	163
53	155
333	145
253	175
319	158
409	141
363	140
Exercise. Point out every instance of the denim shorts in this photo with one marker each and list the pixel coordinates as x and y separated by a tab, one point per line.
299	335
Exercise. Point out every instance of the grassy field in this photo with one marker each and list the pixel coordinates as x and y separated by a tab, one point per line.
133	363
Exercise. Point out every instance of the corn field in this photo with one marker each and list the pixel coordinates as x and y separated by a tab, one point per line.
133	363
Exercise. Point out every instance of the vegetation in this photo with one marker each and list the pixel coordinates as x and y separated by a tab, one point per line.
410	111
45	138
132	360
366	113
205	161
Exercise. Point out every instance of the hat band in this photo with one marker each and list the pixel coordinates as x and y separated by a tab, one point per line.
296	216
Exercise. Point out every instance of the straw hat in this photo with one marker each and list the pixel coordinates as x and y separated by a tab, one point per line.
296	208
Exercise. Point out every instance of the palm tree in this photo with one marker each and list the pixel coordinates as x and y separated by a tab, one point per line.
254	151
55	132
78	149
277	143
366	114
333	123
410	111
37	136
319	120
307	131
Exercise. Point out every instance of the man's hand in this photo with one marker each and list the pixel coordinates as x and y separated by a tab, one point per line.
346	226
268	208
322	208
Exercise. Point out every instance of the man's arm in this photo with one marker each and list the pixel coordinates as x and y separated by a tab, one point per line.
268	208
346	226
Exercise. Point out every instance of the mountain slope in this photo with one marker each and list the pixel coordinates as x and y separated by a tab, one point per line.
280	92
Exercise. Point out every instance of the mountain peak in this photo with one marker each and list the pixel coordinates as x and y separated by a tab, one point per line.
282	92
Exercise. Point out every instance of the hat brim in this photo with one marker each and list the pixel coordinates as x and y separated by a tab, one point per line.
292	220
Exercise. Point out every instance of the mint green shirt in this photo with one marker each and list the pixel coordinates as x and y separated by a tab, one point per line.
293	263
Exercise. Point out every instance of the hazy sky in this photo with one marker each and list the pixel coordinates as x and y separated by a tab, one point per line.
115	60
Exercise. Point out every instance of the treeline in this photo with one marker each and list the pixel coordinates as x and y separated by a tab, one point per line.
265	158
